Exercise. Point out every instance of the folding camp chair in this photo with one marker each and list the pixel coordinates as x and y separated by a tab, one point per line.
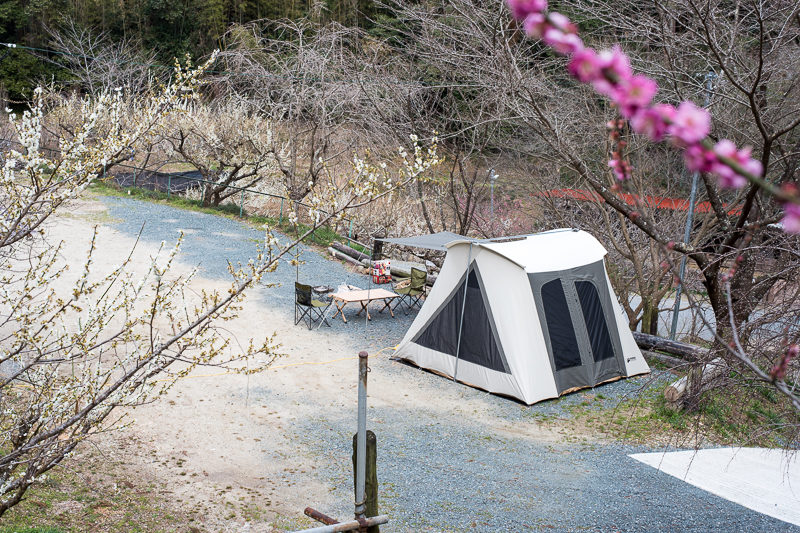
413	293
306	308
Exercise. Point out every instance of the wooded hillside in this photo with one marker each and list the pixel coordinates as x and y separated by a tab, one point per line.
168	28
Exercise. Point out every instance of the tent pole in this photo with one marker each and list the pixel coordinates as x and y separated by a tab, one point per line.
463	305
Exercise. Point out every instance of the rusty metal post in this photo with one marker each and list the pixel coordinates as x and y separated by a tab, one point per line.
353	525
361	441
320	517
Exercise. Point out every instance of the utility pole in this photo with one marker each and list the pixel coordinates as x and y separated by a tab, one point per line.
710	76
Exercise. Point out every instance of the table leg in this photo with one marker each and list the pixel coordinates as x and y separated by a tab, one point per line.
340	311
365	308
387	303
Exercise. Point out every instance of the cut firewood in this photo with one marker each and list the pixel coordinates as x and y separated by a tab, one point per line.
675	391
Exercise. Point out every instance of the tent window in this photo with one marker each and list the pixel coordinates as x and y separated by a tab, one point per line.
595	320
559	326
478	343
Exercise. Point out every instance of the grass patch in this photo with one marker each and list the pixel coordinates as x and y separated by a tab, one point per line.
96	499
30	530
322	236
747	414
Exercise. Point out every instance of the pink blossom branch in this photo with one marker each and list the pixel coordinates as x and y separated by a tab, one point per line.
687	126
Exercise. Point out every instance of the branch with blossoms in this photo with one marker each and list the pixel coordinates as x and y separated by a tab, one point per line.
370	181
687	126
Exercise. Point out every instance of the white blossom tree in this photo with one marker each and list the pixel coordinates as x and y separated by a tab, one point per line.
71	357
230	144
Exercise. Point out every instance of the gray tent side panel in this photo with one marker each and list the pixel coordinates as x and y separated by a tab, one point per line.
580	330
479	343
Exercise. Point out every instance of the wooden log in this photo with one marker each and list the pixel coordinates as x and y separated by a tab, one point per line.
651	342
355	254
344	257
371	478
673	362
675	391
402	269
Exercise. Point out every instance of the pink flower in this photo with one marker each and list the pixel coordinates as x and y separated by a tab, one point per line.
563	43
522	8
698	158
791	218
728	177
622	169
616	68
634	94
585	65
561	22
690	123
652	121
535	25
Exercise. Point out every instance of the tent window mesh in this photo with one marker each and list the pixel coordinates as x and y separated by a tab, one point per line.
478	343
559	326
595	320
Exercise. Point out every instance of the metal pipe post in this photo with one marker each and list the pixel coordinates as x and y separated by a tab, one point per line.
280	220
687	231
241	204
361	444
169	185
677	307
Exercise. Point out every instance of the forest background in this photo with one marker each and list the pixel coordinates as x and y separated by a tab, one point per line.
168	28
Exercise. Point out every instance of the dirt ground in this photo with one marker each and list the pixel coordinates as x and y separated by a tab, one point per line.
219	454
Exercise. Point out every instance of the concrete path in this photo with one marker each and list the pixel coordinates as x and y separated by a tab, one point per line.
767	481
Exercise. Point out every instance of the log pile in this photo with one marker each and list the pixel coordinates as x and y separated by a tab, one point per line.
687	355
676	391
351	252
344	257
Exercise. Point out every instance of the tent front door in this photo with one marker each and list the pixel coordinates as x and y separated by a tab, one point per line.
580	332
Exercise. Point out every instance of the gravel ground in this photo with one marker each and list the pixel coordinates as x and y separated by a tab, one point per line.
449	473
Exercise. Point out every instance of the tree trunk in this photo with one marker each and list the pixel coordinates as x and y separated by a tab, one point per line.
208	191
649	317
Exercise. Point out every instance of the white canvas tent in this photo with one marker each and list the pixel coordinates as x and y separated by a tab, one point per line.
532	318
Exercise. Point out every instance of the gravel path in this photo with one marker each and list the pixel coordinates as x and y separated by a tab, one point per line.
449	473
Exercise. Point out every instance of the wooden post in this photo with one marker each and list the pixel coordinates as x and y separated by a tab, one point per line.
371	481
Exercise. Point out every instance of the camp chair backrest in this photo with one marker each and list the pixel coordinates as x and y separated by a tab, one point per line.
302	293
418	278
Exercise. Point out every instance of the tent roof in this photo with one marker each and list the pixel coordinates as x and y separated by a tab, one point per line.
435	241
557	249
550	251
